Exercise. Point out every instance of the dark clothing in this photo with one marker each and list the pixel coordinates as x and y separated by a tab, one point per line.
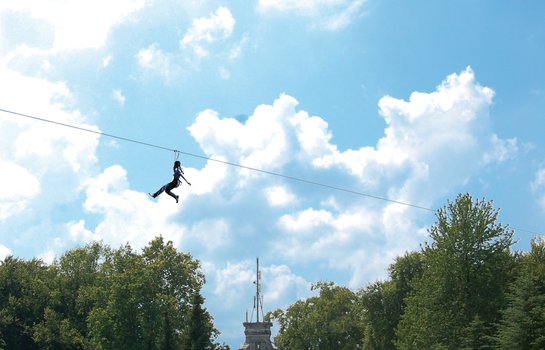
177	174
171	185
167	188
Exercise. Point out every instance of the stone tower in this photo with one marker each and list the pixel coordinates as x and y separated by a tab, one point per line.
258	334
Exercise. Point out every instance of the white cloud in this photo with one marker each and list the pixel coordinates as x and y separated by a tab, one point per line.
306	221
76	24
235	289
78	232
4	252
17	187
47	257
279	196
261	142
346	239
218	26
432	144
131	216
34	154
128	216
209	178
234	278
326	14
281	286
435	141
208	39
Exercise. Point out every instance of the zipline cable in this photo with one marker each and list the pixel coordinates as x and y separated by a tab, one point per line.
178	152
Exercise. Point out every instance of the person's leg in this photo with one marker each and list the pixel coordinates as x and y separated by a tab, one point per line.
169	187
161	190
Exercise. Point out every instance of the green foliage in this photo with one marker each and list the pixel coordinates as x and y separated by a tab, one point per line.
24	290
381	315
523	322
98	298
463	290
199	330
383	302
468	268
327	321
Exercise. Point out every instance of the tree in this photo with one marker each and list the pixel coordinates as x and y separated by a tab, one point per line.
173	280
147	298
383	302
199	331
467	269
73	293
98	298
327	321
24	293
523	322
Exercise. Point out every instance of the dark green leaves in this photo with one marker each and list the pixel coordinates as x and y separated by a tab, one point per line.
98	298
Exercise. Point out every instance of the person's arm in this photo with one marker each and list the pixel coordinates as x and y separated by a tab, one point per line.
185	179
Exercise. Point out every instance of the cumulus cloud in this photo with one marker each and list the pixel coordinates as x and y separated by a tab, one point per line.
279	196
440	139
35	154
206	30
261	142
433	143
17	187
325	14
132	216
125	213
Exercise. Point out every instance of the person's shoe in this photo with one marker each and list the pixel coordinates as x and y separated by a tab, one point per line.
177	198
151	195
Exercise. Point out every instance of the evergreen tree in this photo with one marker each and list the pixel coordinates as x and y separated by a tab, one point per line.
523	322
199	331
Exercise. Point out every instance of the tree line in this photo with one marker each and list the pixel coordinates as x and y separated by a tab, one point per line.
464	289
96	297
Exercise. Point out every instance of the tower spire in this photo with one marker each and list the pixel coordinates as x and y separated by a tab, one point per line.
258	289
258	334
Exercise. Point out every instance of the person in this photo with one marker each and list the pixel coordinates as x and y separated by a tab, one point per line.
178	173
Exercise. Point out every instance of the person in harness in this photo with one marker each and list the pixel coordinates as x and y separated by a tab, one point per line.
178	173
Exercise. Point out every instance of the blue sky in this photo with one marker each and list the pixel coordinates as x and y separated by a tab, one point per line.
416	101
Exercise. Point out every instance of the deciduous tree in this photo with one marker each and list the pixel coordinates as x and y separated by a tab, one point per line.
327	321
467	270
